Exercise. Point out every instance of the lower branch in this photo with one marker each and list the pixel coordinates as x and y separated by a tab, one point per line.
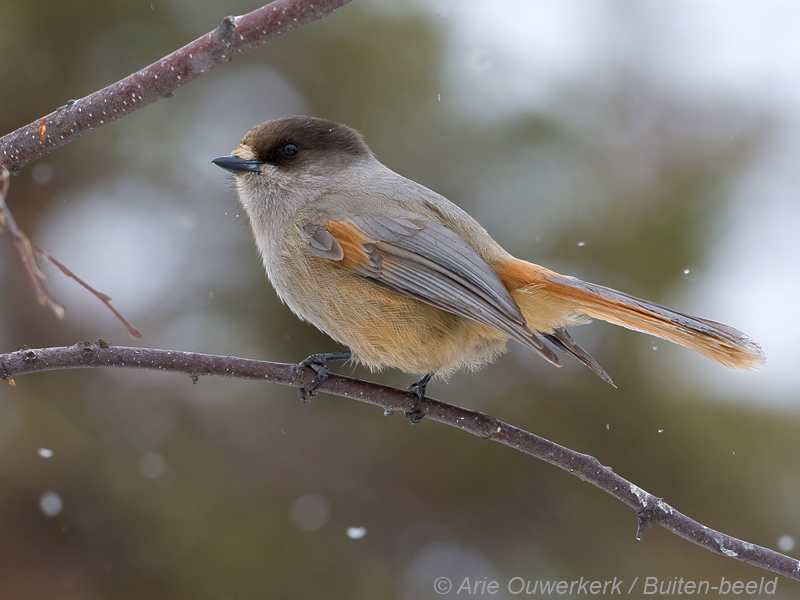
649	509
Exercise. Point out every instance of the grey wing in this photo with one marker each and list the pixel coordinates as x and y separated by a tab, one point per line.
427	261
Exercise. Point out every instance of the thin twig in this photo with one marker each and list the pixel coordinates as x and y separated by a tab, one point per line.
104	298
26	250
649	509
159	80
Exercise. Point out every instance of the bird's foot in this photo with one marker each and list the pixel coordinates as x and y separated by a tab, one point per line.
418	388
318	364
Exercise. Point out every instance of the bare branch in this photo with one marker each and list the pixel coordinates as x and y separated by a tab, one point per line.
104	298
649	509
26	250
232	37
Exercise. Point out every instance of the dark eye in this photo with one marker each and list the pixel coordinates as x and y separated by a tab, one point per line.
289	150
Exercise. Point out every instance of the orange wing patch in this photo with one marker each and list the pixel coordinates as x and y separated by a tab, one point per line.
355	244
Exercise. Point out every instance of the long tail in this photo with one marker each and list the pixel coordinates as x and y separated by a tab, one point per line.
549	301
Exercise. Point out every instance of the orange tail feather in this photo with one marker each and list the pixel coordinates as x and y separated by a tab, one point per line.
539	291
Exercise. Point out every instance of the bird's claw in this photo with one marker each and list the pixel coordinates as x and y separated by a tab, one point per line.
318	364
418	388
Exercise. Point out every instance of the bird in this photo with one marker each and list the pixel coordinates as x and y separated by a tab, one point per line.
404	278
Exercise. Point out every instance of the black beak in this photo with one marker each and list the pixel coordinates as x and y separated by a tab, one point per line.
235	164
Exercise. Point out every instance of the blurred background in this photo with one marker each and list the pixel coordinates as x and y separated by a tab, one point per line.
648	146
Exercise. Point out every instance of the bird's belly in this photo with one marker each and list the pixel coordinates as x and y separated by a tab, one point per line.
384	328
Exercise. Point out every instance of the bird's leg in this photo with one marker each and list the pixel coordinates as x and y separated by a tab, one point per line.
418	388
318	363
